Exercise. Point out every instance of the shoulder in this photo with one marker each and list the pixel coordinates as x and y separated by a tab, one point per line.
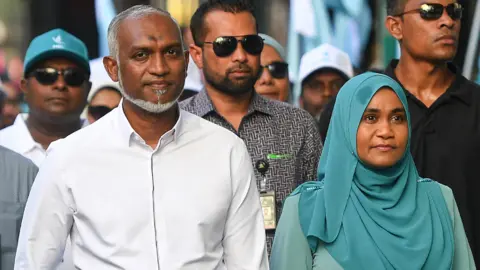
470	86
442	192
432	184
11	159
298	122
208	134
8	134
85	138
196	124
308	188
285	110
188	104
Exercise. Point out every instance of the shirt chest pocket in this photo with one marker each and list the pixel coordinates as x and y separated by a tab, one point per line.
281	168
10	220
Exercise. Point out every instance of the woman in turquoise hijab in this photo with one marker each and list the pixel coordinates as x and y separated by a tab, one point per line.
369	208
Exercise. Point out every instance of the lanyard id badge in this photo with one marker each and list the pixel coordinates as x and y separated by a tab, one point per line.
267	198
269	210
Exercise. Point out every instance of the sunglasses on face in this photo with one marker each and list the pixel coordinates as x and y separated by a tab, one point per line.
278	70
98	112
435	11
71	76
225	46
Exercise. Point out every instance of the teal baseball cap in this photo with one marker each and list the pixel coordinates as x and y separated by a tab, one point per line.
56	43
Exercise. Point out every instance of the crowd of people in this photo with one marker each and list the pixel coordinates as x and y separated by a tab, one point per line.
190	155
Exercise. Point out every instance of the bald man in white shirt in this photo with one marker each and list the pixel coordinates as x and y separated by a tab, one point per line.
148	186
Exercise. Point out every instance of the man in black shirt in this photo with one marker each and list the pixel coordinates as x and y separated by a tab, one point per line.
444	105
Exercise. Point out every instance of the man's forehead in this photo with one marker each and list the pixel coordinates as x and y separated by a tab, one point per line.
222	23
153	27
417	3
57	61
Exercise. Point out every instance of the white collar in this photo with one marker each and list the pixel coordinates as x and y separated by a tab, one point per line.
127	132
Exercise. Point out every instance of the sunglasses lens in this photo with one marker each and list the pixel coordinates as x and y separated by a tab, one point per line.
224	46
46	76
253	44
74	77
431	11
98	111
278	70
455	11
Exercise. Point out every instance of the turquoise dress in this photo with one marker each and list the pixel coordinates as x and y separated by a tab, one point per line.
294	252
360	217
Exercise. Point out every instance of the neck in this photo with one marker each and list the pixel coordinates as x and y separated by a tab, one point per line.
420	76
150	126
227	105
46	132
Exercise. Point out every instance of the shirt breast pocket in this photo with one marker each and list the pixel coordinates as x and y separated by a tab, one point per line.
10	220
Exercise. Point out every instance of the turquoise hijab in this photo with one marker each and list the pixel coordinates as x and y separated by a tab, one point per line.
371	218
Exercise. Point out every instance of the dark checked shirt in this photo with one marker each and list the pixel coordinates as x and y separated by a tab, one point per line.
285	136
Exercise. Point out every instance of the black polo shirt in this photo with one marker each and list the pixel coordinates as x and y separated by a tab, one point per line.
445	145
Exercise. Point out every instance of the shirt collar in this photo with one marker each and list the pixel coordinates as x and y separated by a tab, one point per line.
203	104
127	133
24	142
456	90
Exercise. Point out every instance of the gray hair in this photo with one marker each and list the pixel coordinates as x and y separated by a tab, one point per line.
134	12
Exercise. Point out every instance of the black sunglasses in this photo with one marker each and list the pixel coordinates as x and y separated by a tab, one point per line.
225	46
48	76
98	112
278	70
435	11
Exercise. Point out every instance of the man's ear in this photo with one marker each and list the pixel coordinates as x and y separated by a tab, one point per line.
187	61
197	55
111	66
394	26
24	86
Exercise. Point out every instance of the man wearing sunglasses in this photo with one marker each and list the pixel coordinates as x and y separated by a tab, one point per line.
444	105
55	85
283	141
148	186
273	82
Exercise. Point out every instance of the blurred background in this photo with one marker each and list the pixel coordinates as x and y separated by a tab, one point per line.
355	26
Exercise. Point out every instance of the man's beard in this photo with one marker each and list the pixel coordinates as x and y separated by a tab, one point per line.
148	106
226	85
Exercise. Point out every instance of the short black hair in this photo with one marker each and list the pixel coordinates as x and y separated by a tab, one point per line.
197	23
395	7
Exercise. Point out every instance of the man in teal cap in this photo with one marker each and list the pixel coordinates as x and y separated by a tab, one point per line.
56	85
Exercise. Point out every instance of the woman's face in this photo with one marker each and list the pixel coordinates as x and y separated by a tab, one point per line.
382	135
268	85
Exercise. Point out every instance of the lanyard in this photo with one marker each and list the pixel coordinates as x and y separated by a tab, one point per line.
262	167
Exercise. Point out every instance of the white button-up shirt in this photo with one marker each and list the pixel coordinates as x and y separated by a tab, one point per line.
17	138
191	203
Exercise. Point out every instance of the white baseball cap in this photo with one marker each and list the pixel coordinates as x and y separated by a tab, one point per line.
325	56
